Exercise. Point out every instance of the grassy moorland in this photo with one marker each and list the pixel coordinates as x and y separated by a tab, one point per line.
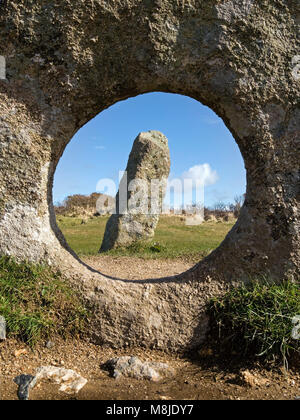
255	319
36	302
173	238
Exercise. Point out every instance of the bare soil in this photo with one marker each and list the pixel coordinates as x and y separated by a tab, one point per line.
132	268
201	376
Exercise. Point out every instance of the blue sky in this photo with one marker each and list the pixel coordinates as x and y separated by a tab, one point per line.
196	135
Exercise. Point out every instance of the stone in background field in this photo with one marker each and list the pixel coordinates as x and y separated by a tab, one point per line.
149	160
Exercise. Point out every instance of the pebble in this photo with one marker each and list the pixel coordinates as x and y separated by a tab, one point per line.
50	345
133	367
20	352
25	382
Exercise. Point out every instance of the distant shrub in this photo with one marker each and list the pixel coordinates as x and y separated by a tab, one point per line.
78	204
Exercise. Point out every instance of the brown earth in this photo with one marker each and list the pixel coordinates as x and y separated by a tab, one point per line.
200	378
132	268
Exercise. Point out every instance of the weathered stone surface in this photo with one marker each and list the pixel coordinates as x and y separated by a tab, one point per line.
133	367
2	328
251	380
69	380
25	383
67	61
149	160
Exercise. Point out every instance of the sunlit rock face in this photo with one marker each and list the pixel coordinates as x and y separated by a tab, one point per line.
64	62
144	184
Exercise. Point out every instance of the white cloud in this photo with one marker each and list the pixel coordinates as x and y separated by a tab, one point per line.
202	174
100	147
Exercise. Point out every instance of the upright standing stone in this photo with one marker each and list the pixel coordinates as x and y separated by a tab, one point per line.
146	174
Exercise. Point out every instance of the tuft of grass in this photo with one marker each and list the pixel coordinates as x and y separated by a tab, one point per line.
37	303
257	319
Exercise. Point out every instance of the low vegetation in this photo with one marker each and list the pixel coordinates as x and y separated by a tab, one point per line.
173	238
78	204
36	302
86	205
253	319
257	319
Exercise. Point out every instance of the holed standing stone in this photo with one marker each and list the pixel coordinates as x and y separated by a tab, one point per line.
141	193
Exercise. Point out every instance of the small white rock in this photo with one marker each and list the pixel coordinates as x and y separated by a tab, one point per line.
70	381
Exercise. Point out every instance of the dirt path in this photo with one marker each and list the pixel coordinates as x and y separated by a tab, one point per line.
199	379
132	268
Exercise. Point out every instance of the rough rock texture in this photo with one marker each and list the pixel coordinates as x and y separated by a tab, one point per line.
2	328
133	367
70	381
149	161
25	383
67	61
251	380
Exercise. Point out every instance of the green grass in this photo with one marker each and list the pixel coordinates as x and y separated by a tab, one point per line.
257	318
173	239
36	302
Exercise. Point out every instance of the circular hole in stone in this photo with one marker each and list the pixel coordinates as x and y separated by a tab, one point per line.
201	148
